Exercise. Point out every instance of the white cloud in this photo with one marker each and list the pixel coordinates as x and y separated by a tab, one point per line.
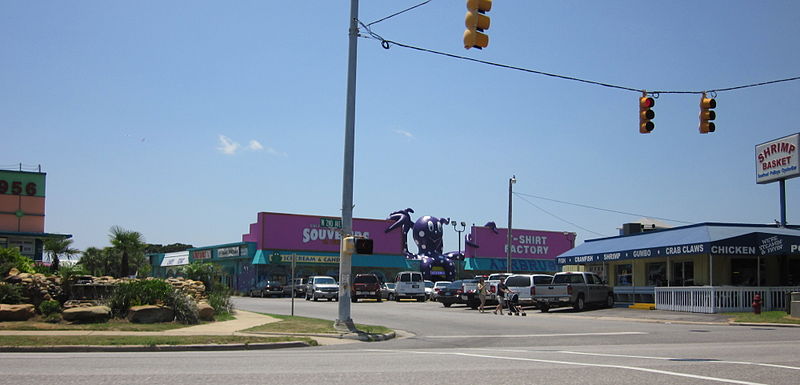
404	133
255	145
227	146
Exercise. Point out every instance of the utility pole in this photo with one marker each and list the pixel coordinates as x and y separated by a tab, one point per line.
344	322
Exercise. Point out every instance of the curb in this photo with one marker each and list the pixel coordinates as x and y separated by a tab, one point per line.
770	325
364	337
150	348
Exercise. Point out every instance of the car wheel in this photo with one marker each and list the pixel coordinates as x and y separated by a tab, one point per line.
544	308
378	298
353	299
421	299
446	304
610	301
314	297
579	304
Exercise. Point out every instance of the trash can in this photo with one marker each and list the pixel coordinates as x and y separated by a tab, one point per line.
794	310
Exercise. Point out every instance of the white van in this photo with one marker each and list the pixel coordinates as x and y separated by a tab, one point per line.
525	285
409	284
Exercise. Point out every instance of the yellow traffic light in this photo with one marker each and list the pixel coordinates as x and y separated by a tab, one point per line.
477	22
706	114
646	114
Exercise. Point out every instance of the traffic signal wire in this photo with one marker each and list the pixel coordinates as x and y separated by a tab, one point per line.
559	218
397	13
388	43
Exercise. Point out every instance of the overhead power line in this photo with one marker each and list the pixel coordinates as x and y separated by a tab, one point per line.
599	208
559	218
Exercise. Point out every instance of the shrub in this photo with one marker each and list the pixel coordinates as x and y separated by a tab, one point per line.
11	294
53	318
184	306
135	293
220	300
41	269
11	258
49	307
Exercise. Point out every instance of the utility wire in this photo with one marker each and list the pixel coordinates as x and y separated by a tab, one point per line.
599	208
387	44
398	13
559	218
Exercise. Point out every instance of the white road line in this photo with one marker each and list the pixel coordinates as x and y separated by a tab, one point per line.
656	371
682	359
536	335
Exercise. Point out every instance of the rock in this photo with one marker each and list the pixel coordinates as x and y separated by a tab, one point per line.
148	314
87	314
17	312
205	312
13	271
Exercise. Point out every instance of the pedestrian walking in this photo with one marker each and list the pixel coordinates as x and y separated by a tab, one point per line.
502	292
482	293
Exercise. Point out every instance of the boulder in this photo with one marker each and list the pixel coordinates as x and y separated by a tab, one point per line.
205	312
17	312
87	314
148	314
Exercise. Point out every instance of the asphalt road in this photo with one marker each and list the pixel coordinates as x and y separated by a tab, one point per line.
458	345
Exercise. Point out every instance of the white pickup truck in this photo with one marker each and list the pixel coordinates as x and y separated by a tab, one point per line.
576	289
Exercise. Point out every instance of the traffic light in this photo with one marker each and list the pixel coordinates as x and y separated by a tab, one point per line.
646	114
356	245
477	22
706	114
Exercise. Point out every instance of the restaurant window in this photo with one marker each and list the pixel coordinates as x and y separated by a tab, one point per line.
656	274
683	273
624	275
744	272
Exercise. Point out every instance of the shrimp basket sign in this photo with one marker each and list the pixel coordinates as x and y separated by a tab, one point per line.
777	159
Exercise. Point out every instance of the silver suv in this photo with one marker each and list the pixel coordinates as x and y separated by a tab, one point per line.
299	285
322	286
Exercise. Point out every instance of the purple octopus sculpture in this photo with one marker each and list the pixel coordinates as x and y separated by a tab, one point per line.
427	232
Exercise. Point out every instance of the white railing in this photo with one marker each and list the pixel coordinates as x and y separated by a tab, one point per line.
721	299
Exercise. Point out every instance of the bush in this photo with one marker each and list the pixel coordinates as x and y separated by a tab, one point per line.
49	307
136	293
220	300
11	258
42	269
184	306
11	294
53	318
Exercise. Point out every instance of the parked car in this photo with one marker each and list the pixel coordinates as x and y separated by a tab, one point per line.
267	288
322	286
491	284
365	286
428	289
437	287
387	292
451	293
469	293
525	285
576	289
409	284
299	285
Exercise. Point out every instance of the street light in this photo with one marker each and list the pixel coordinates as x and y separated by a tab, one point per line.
455	227
508	242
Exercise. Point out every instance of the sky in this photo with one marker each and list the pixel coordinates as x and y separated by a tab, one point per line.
183	119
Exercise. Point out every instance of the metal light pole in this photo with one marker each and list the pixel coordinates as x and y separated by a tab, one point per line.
508	242
463	227
344	322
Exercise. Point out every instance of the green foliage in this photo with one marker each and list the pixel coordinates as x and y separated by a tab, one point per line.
171	248
58	246
41	269
67	272
184	306
135	293
220	300
130	244
53	318
11	294
202	271
49	307
11	258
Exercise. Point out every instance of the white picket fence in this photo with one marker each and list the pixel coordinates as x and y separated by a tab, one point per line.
721	299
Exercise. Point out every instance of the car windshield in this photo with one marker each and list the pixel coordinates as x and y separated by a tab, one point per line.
325	281
518	280
455	285
441	284
365	279
390	285
429	284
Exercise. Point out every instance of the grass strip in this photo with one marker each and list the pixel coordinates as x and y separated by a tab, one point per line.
141	340
114	324
297	324
775	317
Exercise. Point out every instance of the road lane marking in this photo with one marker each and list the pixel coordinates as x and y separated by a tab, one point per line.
682	359
625	367
537	335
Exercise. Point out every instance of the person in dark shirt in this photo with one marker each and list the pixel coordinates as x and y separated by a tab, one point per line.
502	292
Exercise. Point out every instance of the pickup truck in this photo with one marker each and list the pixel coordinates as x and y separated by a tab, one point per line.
576	289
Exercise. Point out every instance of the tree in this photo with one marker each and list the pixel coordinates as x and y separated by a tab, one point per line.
202	271
171	248
130	245
58	246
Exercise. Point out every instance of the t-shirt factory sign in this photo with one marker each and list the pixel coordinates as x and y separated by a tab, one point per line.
777	159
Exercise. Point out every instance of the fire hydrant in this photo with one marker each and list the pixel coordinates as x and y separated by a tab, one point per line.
757	304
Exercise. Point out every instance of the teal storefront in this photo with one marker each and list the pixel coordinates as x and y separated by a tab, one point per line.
276	265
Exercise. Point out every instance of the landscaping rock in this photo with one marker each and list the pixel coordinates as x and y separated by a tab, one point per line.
17	312
205	312
148	314
87	314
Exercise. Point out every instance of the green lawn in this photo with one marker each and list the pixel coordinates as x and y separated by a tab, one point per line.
296	324
779	317
140	341
112	325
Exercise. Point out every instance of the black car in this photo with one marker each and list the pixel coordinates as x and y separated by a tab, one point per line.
451	294
267	289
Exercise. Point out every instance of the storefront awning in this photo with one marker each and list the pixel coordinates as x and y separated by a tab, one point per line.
702	238
518	265
175	259
259	258
265	257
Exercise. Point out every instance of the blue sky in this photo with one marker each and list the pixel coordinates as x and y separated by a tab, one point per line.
183	119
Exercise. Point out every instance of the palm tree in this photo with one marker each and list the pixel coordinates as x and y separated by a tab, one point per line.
56	246
129	244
